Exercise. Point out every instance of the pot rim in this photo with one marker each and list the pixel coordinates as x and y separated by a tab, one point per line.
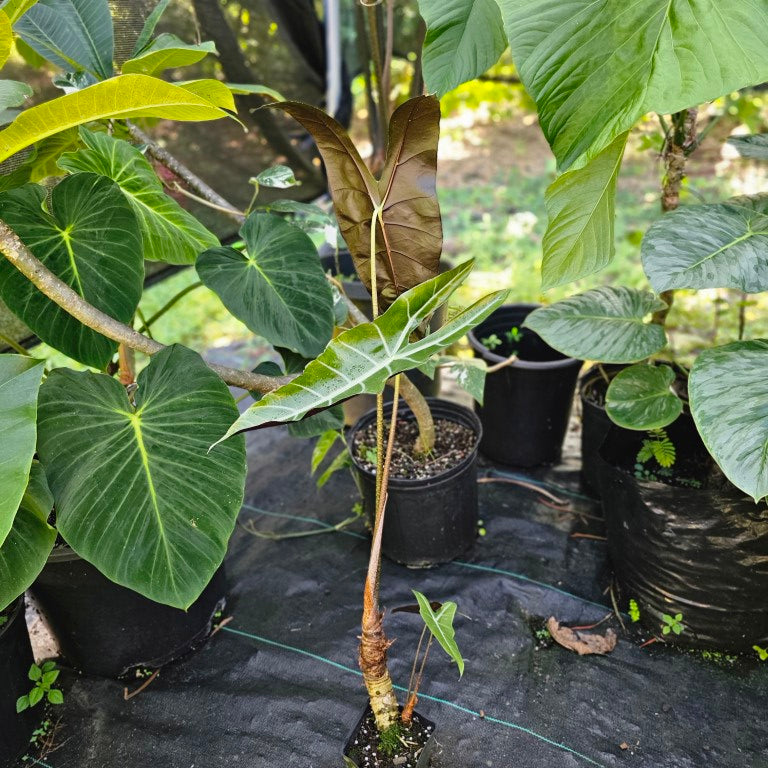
525	365
18	607
446	475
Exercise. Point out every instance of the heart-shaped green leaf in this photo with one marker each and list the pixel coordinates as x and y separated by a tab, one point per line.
464	38
409	236
167	51
641	397
728	389
710	246
595	67
72	34
755	146
91	241
605	324
20	379
120	97
440	624
137	492
277	287
30	540
361	359
580	207
168	232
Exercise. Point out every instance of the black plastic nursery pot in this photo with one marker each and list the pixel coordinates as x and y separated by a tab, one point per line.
105	629
356	406
526	405
356	754
432	520
595	423
15	660
700	552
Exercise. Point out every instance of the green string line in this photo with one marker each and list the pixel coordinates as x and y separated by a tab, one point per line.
38	762
460	563
436	699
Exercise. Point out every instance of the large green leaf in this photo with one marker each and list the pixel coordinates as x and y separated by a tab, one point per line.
144	38
167	51
409	244
276	287
91	241
15	9
728	391
464	38
137	492
595	66
710	246
13	93
120	97
72	34
29	542
580	206
6	38
606	324
755	146
361	359
19	382
641	397
169	233
440	624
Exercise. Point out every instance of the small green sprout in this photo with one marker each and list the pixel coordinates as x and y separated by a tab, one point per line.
761	652
634	611
514	335
43	677
672	624
491	342
657	446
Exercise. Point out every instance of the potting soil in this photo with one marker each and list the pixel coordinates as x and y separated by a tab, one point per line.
278	685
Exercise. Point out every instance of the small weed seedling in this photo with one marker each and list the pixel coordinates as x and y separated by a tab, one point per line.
672	624
513	336
656	446
43	677
634	611
491	342
762	653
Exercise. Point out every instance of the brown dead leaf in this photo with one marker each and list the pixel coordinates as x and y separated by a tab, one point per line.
584	643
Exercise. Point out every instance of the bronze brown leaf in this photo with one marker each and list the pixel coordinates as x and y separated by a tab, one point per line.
409	243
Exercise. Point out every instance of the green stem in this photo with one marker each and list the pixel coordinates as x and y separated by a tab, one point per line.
147	324
13	345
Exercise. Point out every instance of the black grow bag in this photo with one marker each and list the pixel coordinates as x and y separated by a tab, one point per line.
15	661
427	521
105	629
526	405
702	552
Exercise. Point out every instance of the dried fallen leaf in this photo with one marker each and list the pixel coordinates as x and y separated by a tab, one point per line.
583	643
624	745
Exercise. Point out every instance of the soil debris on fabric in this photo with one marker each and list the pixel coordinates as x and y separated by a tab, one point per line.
365	752
583	643
453	443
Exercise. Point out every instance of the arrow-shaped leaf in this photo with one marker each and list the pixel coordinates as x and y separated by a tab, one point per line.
722	245
606	324
440	624
137	492
363	358
168	232
728	390
641	397
408	245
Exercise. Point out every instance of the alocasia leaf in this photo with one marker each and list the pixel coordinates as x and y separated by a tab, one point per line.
409	235
722	245
276	286
464	38
594	67
168	232
138	493
440	624
361	359
90	239
641	397
606	324
20	379
728	391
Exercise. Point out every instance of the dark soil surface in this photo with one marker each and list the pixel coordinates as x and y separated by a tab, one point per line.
365	745
453	443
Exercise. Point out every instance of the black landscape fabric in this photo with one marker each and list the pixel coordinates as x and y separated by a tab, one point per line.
277	687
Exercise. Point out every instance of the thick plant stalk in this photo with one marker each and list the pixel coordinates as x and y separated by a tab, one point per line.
678	146
372	655
73	303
